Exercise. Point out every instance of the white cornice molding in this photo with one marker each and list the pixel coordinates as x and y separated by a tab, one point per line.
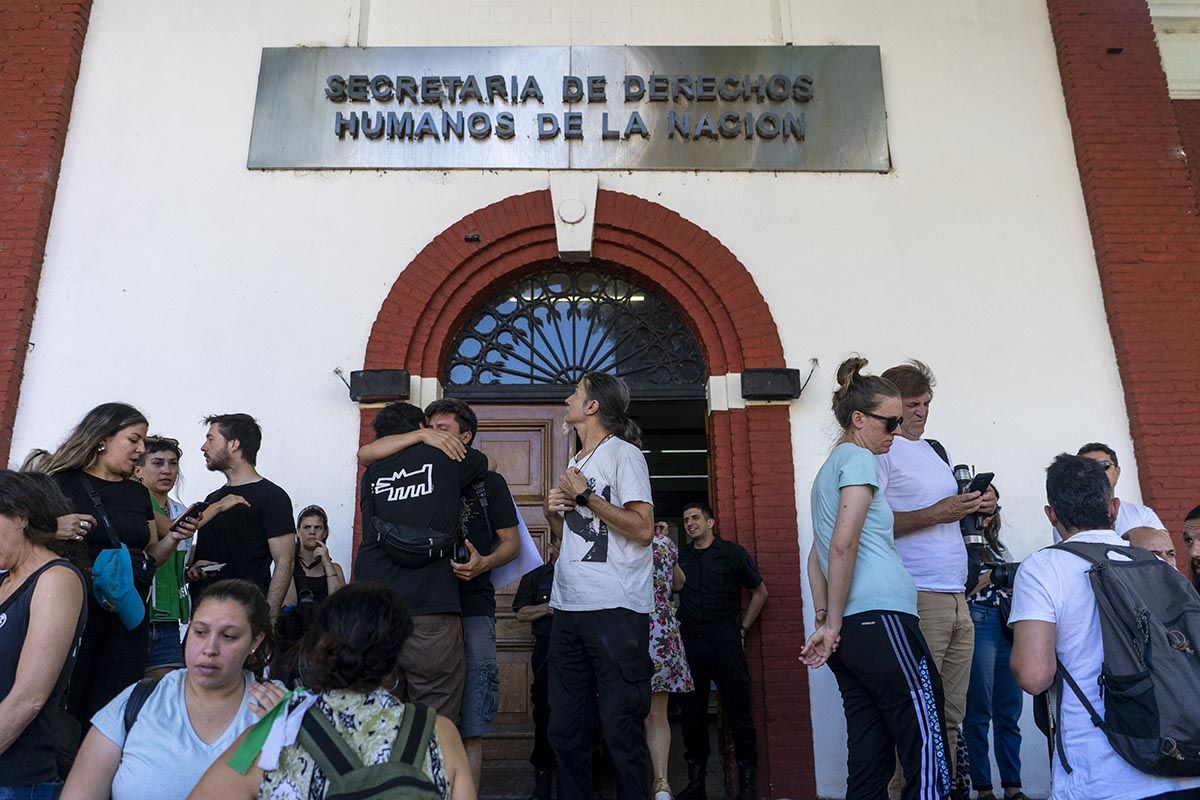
1174	11
1177	28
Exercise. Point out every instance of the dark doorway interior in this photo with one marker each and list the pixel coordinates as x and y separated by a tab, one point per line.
675	441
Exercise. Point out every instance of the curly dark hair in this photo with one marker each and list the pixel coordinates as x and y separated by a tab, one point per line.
355	638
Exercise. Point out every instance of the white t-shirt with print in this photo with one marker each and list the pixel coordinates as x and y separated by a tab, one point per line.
1052	586
163	758
598	568
913	476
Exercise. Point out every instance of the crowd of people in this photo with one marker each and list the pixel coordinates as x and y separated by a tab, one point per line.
163	650
150	648
932	630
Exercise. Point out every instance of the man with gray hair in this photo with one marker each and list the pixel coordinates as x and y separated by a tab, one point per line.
1156	540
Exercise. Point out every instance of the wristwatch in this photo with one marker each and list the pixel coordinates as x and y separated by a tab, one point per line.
581	499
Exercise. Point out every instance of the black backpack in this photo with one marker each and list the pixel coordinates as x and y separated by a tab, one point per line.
1150	679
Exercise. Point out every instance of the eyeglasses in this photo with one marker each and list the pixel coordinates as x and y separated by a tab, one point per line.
889	423
1104	464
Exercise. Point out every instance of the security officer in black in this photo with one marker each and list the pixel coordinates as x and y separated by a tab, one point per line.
713	627
532	604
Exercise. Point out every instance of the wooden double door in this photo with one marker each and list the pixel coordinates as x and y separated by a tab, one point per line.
530	446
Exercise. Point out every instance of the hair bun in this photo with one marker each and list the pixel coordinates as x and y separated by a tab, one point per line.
848	370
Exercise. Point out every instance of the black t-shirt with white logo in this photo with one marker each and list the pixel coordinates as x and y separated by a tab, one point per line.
478	595
420	487
238	538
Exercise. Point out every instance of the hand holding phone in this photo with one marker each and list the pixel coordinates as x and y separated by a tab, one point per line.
191	515
980	482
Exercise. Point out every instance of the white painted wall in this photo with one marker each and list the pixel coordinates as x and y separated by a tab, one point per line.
179	281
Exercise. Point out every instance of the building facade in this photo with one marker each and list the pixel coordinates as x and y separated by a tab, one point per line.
1035	240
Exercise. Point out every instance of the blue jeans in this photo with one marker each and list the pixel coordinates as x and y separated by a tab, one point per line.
37	791
993	696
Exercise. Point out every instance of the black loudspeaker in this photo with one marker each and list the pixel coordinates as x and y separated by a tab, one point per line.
378	385
771	384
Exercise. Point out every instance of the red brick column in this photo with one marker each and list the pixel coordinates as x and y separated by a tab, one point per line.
1187	117
1143	218
40	48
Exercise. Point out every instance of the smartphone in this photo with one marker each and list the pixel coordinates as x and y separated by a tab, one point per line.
193	513
980	482
207	568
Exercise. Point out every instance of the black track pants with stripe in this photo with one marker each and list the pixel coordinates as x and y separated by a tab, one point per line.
892	695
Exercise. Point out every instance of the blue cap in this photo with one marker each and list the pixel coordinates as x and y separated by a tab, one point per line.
112	583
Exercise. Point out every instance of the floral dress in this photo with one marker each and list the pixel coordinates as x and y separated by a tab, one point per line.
671	672
369	723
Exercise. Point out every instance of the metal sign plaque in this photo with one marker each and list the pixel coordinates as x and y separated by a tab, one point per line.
622	108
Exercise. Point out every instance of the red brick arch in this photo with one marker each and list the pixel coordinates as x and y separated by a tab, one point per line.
754	494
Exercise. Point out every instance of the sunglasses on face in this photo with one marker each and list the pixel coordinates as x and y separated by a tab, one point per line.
889	423
1104	464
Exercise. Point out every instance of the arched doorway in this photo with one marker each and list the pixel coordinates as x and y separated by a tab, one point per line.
753	484
516	356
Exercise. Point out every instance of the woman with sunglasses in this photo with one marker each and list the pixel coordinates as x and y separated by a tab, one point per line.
867	604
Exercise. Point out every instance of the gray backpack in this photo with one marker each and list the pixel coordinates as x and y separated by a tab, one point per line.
401	777
1150	678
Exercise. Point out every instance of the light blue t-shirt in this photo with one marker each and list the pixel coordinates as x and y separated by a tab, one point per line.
163	758
880	582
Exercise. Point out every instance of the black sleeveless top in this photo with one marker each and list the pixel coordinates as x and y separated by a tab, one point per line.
31	758
308	590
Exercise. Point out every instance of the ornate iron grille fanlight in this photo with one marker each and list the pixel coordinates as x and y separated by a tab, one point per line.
553	327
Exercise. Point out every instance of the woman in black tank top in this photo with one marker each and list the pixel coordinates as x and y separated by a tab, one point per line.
314	577
41	620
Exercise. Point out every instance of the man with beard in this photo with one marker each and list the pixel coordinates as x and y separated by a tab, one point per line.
256	529
1191	540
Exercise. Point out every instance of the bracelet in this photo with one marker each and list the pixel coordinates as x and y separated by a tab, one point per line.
821	611
330	574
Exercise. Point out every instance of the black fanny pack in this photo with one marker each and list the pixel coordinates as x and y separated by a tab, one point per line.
413	547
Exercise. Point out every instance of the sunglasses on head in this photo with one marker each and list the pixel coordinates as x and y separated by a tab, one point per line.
889	423
159	443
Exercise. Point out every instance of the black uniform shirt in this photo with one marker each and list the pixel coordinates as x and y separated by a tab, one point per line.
715	577
534	590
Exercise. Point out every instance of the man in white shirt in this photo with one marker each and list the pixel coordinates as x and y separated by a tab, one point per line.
919	485
1131	515
602	512
1053	617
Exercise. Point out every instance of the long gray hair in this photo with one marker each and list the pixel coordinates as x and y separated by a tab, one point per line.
613	396
82	445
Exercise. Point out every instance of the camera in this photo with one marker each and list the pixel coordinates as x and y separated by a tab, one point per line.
1004	573
971	525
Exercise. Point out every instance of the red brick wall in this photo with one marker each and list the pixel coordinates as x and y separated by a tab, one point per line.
753	490
1145	231
40	48
1187	118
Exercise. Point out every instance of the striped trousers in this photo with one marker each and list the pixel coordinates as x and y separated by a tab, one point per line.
892	695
